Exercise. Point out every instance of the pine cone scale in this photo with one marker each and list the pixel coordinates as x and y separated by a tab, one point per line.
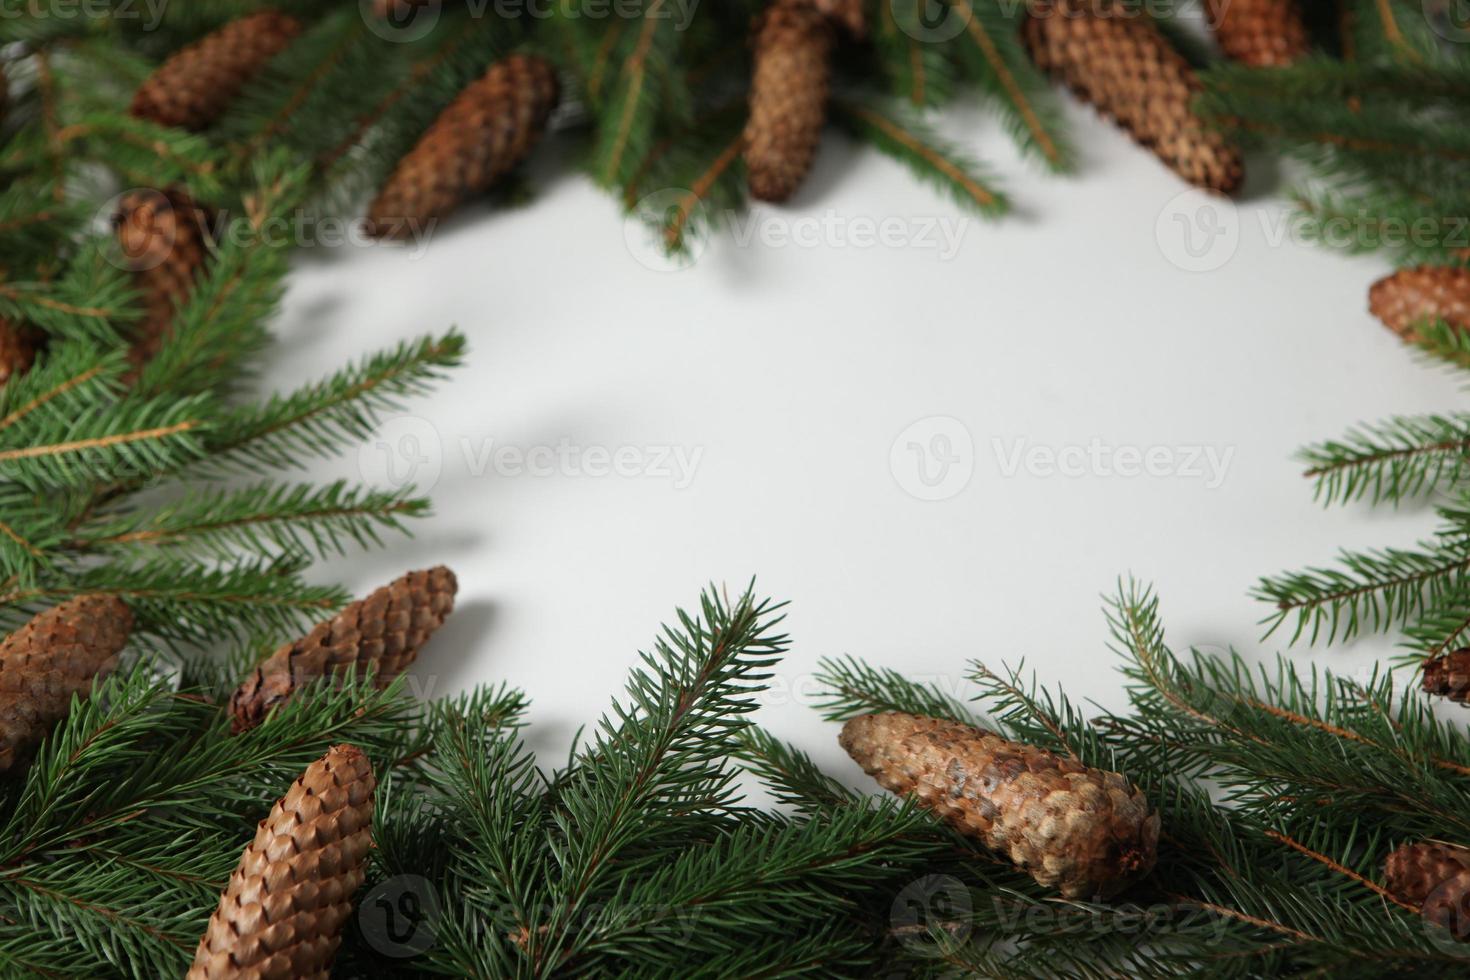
1408	298
1260	33
1084	831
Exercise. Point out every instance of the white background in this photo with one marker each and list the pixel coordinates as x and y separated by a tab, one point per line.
792	370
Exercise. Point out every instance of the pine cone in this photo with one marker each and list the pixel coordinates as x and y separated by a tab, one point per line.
1260	33
1409	297
1412	872
788	97
385	630
17	349
165	240
1449	904
1448	675
1118	60
195	86
488	128
54	656
281	915
1086	832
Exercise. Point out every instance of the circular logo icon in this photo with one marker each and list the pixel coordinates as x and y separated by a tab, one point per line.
1197	231
932	915
930	21
399	21
934	458
658	216
403	451
144	228
399	916
1450	19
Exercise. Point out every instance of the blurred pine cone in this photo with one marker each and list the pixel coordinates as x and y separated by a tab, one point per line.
788	97
1448	905
281	915
1410	297
1086	832
1118	60
488	128
165	239
1448	675
194	87
1413	871
18	344
384	631
54	656
1260	33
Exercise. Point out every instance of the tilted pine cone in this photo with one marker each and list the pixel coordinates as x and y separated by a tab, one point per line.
164	238
788	97
54	656
1086	832
1118	60
281	915
194	87
17	349
1260	33
1409	297
1448	675
1413	871
488	128
385	631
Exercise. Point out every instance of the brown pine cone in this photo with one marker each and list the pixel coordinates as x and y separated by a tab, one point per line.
1448	675
1448	905
164	238
1086	832
18	345
1260	33
788	97
1409	297
489	128
1413	871
1118	60
281	915
385	630
54	656
195	86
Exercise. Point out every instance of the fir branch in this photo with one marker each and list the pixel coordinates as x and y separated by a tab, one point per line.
1404	456
854	688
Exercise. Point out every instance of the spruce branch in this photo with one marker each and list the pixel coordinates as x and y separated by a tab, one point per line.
1400	457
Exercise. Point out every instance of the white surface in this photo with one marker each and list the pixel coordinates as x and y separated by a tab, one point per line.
792	370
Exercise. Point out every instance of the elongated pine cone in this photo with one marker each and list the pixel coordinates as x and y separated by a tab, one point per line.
1086	832
1410	297
1118	60
489	128
281	915
17	349
165	239
195	86
1260	33
54	656
1448	675
788	97
385	631
1413	871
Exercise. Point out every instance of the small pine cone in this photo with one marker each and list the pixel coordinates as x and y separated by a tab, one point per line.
1413	871
17	349
489	128
788	97
1448	676
195	86
164	238
1260	33
54	656
1118	60
1086	832
1409	297
1448	905
385	630
281	915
